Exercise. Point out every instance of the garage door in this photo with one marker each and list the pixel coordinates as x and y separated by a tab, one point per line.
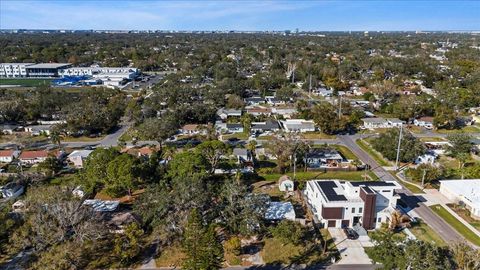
345	223
332	223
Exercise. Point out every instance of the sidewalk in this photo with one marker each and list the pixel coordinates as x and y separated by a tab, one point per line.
433	196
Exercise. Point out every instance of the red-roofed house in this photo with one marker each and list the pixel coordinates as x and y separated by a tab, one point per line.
8	156
33	157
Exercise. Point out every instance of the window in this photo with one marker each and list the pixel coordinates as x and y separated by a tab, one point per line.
353	209
379	220
360	210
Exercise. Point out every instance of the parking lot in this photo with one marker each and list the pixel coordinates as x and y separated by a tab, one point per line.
351	251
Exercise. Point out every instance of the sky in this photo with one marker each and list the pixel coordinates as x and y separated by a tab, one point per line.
244	15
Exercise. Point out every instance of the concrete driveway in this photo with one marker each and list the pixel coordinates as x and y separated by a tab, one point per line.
351	251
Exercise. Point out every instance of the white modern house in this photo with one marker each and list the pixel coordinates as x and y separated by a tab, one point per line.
298	125
466	192
378	122
337	204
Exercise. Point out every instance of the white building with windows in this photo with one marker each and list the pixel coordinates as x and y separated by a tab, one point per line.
14	70
338	204
466	192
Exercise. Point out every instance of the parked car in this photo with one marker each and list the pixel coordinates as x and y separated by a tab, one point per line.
350	233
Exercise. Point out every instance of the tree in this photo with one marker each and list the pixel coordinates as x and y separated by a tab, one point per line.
212	151
460	144
465	257
410	147
246	121
445	117
129	244
425	171
95	171
283	150
202	249
325	117
55	137
284	93
288	232
235	102
50	166
159	129
122	175
233	246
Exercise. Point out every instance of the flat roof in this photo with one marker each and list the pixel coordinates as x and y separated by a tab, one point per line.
49	65
372	184
468	189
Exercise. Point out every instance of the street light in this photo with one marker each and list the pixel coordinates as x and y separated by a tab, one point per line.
398	148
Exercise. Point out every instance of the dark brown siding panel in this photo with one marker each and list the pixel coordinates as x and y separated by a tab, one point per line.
345	223
332	212
369	209
332	223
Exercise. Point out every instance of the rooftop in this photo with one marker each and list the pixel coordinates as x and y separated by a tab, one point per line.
468	189
49	65
33	154
279	211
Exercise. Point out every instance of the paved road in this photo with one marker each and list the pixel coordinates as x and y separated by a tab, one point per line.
444	230
281	267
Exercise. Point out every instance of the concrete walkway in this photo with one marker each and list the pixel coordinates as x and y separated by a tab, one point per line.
351	251
433	197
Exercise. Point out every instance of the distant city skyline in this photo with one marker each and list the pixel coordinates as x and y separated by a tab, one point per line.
241	15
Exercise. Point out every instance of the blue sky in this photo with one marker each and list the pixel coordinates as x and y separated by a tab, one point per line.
241	15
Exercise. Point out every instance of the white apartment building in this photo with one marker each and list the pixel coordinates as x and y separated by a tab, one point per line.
13	70
338	204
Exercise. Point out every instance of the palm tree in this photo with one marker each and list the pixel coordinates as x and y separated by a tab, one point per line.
395	220
55	138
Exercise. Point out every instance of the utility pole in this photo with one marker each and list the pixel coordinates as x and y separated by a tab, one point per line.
340	108
423	177
398	148
310	85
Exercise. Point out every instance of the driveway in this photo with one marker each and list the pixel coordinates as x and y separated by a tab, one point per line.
351	251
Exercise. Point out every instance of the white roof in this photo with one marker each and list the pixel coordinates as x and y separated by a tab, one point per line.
80	153
468	189
49	65
279	211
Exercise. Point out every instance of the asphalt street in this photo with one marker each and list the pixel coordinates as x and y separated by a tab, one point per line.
444	230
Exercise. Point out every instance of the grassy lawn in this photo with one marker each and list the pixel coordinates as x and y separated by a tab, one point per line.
171	256
450	219
82	139
412	188
374	154
240	136
432	139
415	129
465	214
344	151
423	232
304	176
25	82
467	129
274	252
316	135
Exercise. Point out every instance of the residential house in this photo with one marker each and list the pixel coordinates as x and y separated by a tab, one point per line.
426	122
8	129
228	127
360	91
465	192
227	113
285	112
258	111
7	156
278	211
324	92
145	151
39	130
337	204
242	155
285	183
33	157
394	122
298	125
192	129
11	190
274	101
267	126
254	101
373	123
323	158
439	148
78	157
427	158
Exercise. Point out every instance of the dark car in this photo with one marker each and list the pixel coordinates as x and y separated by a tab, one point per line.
350	233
